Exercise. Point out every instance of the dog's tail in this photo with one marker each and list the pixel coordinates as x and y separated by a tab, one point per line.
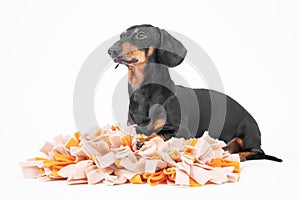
260	156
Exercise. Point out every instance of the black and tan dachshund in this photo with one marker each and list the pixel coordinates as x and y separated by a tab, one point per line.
160	108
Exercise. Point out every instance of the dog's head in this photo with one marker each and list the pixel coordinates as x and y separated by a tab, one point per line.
139	43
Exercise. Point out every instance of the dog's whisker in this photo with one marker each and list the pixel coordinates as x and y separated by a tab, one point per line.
116	66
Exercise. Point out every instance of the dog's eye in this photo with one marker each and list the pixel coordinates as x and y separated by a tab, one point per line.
141	35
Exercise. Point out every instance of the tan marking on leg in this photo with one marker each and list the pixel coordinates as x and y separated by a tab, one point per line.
234	146
245	154
240	141
158	124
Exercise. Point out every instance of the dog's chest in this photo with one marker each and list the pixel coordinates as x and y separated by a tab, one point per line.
142	99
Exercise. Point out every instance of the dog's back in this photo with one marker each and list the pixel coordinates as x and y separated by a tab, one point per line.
158	107
218	113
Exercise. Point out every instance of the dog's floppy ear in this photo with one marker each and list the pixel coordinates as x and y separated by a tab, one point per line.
171	52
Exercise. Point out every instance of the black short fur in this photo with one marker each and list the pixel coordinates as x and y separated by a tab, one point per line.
159	98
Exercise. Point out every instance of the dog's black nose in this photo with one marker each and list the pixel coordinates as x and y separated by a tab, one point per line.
113	52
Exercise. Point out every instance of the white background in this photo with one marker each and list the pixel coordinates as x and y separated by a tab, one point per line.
255	46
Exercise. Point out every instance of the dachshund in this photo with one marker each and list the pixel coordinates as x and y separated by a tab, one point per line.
158	107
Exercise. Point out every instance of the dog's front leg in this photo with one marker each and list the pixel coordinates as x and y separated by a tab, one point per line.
158	117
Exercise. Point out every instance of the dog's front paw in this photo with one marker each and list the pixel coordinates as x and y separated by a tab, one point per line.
140	142
139	145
